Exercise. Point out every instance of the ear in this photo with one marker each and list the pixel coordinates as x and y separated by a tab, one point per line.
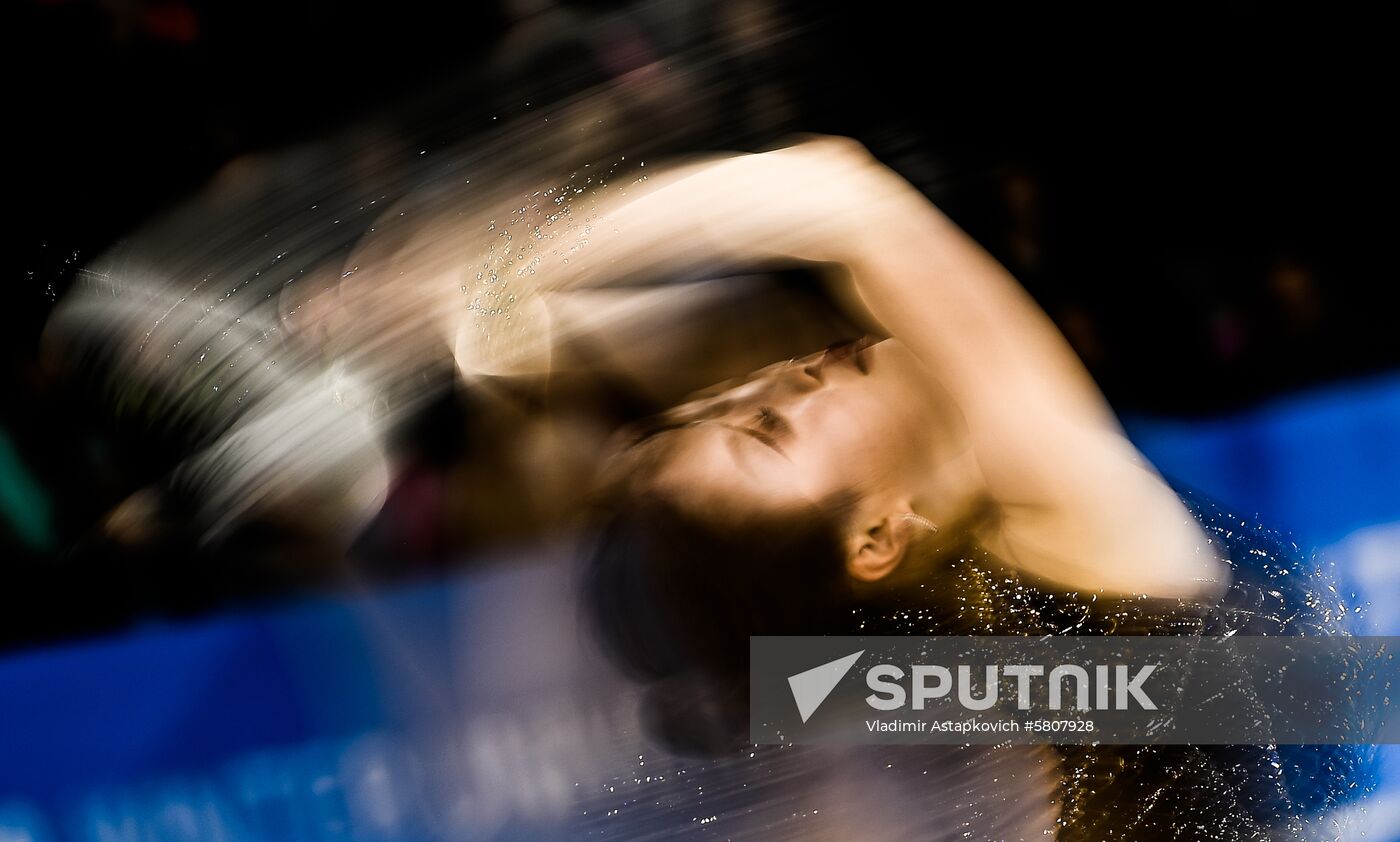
876	549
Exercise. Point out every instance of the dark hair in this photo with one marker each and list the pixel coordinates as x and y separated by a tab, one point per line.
675	588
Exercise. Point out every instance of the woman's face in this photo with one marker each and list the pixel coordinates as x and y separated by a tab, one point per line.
856	417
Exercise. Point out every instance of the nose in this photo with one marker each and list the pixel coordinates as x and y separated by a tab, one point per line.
815	365
848	350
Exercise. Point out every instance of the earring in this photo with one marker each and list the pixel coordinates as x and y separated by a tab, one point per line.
920	520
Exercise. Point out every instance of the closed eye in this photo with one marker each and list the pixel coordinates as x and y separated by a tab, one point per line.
767	440
771	422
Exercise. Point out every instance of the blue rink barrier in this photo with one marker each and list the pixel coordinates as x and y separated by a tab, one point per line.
1321	465
332	718
324	718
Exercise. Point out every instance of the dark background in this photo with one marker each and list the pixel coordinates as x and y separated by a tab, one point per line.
1200	198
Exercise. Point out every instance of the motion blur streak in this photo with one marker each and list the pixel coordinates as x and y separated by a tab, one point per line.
281	322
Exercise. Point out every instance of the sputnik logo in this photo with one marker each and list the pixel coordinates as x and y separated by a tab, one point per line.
810	688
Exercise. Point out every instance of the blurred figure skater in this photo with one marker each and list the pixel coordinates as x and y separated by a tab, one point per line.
958	473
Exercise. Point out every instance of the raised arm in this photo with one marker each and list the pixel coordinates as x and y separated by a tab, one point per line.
1077	504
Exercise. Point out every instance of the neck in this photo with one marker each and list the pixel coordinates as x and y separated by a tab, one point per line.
952	494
